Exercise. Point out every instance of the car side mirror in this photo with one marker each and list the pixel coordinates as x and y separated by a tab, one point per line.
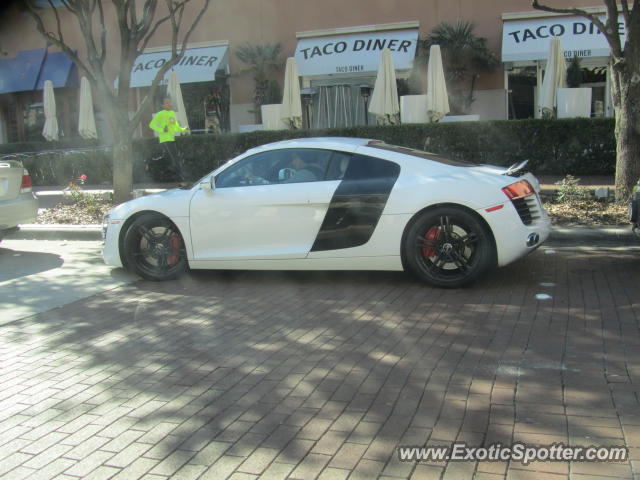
209	184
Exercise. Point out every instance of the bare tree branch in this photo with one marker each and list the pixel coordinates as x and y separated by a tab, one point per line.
174	28
148	13
55	12
136	29
180	12
626	13
58	42
127	53
130	14
573	11
145	42
175	58
197	20
103	35
85	18
612	27
611	34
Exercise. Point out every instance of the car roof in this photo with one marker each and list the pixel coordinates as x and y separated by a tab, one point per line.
345	143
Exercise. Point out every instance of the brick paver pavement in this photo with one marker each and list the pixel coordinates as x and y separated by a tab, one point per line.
314	375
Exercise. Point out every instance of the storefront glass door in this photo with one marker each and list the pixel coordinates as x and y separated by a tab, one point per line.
522	92
339	106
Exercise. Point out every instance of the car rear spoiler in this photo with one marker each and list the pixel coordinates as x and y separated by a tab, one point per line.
516	167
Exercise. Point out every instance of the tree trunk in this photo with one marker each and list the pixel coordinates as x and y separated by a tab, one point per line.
122	145
122	163
122	168
626	99
122	172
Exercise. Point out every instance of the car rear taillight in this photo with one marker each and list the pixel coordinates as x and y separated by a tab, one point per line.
519	189
26	185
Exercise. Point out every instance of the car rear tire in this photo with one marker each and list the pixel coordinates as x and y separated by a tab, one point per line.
449	247
154	248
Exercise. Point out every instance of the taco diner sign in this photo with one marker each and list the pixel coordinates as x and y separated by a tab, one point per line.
355	53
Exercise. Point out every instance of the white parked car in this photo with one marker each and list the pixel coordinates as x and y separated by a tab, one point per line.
18	204
334	204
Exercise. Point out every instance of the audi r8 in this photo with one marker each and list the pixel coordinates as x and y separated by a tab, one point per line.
334	204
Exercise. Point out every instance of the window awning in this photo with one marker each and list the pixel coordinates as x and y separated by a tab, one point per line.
355	53
20	73
528	39
30	68
198	65
58	68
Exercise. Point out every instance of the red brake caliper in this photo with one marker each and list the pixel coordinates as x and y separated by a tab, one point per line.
175	249
431	239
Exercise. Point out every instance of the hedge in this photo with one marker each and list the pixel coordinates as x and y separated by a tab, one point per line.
553	147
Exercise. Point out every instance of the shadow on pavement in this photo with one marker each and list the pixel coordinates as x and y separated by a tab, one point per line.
300	364
17	263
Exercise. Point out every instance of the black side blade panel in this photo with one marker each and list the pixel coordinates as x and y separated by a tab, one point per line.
357	204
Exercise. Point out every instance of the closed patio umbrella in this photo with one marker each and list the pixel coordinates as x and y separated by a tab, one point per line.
175	94
291	110
50	130
554	78
384	100
437	97
87	121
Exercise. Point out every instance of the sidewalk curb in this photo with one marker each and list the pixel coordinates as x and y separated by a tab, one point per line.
597	236
617	230
57	232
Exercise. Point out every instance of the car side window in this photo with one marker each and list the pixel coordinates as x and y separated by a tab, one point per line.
254	170
305	165
338	165
290	165
363	167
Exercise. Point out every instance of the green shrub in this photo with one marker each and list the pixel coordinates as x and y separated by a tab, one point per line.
553	147
90	203
569	190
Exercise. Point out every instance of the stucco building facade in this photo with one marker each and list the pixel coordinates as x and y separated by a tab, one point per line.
337	45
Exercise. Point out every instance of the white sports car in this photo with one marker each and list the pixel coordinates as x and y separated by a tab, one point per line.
334	204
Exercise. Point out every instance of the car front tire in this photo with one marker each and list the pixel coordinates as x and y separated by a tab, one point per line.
154	248
449	247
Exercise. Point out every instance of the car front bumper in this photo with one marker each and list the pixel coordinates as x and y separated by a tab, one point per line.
110	235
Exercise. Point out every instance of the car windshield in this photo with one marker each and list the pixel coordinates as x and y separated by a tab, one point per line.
421	154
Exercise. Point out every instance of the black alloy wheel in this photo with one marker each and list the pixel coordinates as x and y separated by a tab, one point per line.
449	247
154	248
